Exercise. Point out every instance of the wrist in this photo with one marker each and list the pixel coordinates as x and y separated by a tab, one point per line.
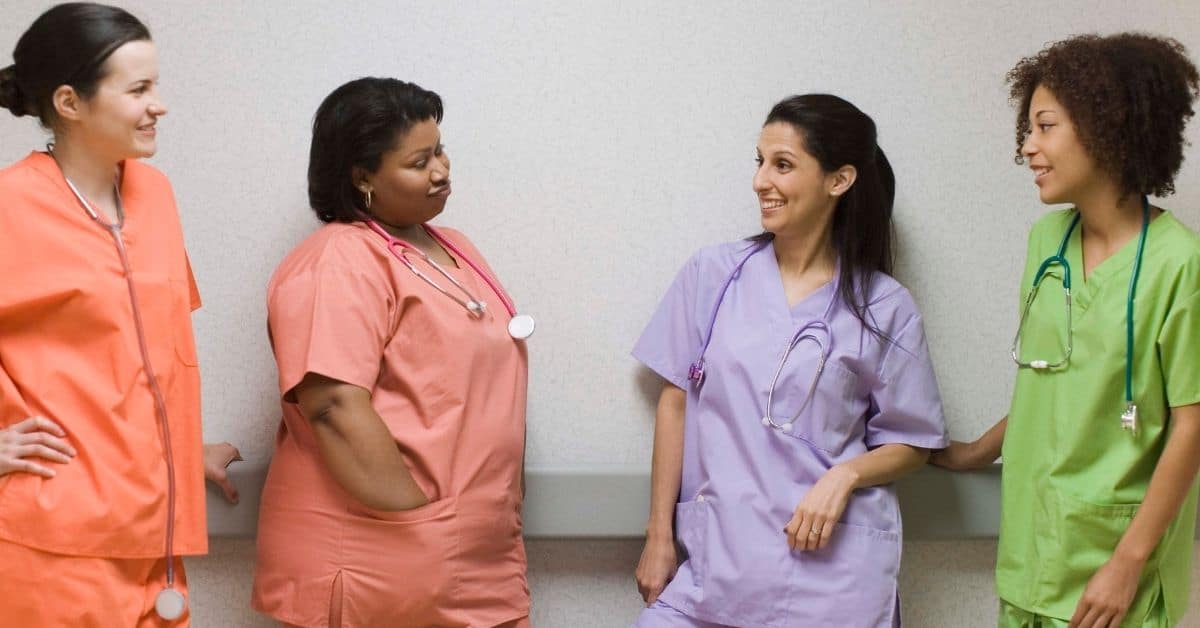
846	476
659	534
1130	557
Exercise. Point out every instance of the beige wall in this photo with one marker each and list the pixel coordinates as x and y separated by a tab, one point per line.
595	145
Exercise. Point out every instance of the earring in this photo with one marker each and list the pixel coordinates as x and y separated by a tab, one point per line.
367	198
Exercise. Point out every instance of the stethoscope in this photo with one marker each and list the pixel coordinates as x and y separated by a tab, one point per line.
1130	415
520	326
170	603
816	332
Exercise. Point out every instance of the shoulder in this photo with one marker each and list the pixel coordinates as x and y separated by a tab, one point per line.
891	304
142	173
30	177
721	258
1051	226
338	247
1173	250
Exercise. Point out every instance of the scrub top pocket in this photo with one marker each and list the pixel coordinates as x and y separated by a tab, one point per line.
845	593
691	527
831	417
390	587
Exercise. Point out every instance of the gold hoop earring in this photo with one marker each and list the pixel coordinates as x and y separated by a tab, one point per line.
367	199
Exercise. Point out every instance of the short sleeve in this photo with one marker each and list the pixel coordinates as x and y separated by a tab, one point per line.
670	342
193	289
332	321
1178	346
906	398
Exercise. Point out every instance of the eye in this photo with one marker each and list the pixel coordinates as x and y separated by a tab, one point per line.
758	160
783	165
441	148
420	165
1043	126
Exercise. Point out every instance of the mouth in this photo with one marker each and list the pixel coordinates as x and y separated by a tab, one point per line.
148	129
1040	171
441	192
769	205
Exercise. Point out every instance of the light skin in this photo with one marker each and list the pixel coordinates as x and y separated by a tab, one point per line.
797	199
1065	173
92	136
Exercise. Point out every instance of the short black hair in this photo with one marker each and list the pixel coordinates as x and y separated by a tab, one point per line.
66	45
1130	96
354	126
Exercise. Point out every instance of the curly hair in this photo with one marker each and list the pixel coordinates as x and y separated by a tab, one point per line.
1129	95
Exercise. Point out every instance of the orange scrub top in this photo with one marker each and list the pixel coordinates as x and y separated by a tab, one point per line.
451	389
69	352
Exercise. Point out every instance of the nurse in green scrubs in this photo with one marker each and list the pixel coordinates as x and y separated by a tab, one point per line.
1102	441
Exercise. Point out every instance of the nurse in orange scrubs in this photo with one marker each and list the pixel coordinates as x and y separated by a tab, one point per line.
394	495
101	463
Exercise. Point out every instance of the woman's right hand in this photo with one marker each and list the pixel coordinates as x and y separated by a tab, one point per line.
35	437
961	456
656	568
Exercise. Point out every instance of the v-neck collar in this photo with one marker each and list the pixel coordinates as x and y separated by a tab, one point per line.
1085	289
814	304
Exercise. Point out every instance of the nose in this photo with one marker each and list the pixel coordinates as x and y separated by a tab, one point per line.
1029	147
440	172
157	107
760	183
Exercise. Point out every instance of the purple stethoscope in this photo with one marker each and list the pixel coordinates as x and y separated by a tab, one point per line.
816	332
520	326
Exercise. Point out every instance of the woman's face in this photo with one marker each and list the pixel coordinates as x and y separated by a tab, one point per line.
794	192
119	120
1062	168
413	180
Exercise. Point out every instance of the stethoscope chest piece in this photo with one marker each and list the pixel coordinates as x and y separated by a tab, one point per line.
521	326
170	604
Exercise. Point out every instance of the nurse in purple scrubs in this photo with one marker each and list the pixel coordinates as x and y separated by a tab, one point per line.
798	388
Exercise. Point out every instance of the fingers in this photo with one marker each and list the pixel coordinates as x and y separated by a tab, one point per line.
39	424
221	479
29	466
826	534
42	451
47	440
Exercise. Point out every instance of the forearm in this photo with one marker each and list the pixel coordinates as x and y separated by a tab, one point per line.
667	465
357	447
989	445
1173	477
882	465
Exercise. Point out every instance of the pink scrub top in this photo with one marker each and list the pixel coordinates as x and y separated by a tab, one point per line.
451	389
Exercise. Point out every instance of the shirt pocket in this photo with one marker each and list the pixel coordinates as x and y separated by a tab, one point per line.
830	418
181	323
691	528
849	582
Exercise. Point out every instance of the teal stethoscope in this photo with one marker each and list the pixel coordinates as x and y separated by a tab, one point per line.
1129	416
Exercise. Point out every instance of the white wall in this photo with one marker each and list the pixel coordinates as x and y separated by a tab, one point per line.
595	145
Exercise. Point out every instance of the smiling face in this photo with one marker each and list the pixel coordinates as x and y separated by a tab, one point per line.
794	192
1063	170
119	120
412	182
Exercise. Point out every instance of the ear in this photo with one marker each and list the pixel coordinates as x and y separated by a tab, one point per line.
67	103
841	180
361	179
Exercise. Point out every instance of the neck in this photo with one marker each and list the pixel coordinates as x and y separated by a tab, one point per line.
93	176
804	252
414	234
1108	219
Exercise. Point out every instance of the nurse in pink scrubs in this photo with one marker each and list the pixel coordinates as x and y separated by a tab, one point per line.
797	387
394	495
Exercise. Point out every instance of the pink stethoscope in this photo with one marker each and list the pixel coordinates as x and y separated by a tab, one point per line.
520	326
170	603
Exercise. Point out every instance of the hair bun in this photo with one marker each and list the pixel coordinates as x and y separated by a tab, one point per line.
10	93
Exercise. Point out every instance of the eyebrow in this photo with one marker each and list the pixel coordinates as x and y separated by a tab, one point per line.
779	151
1041	111
423	151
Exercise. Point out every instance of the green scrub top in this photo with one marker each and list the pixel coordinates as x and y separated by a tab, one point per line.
1072	478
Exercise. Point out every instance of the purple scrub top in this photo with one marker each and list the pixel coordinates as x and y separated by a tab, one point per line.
742	480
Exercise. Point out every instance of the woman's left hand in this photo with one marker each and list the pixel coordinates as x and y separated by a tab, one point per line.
812	524
217	457
1108	594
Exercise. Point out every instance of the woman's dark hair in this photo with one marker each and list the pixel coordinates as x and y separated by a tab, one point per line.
354	126
836	134
66	45
1130	96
